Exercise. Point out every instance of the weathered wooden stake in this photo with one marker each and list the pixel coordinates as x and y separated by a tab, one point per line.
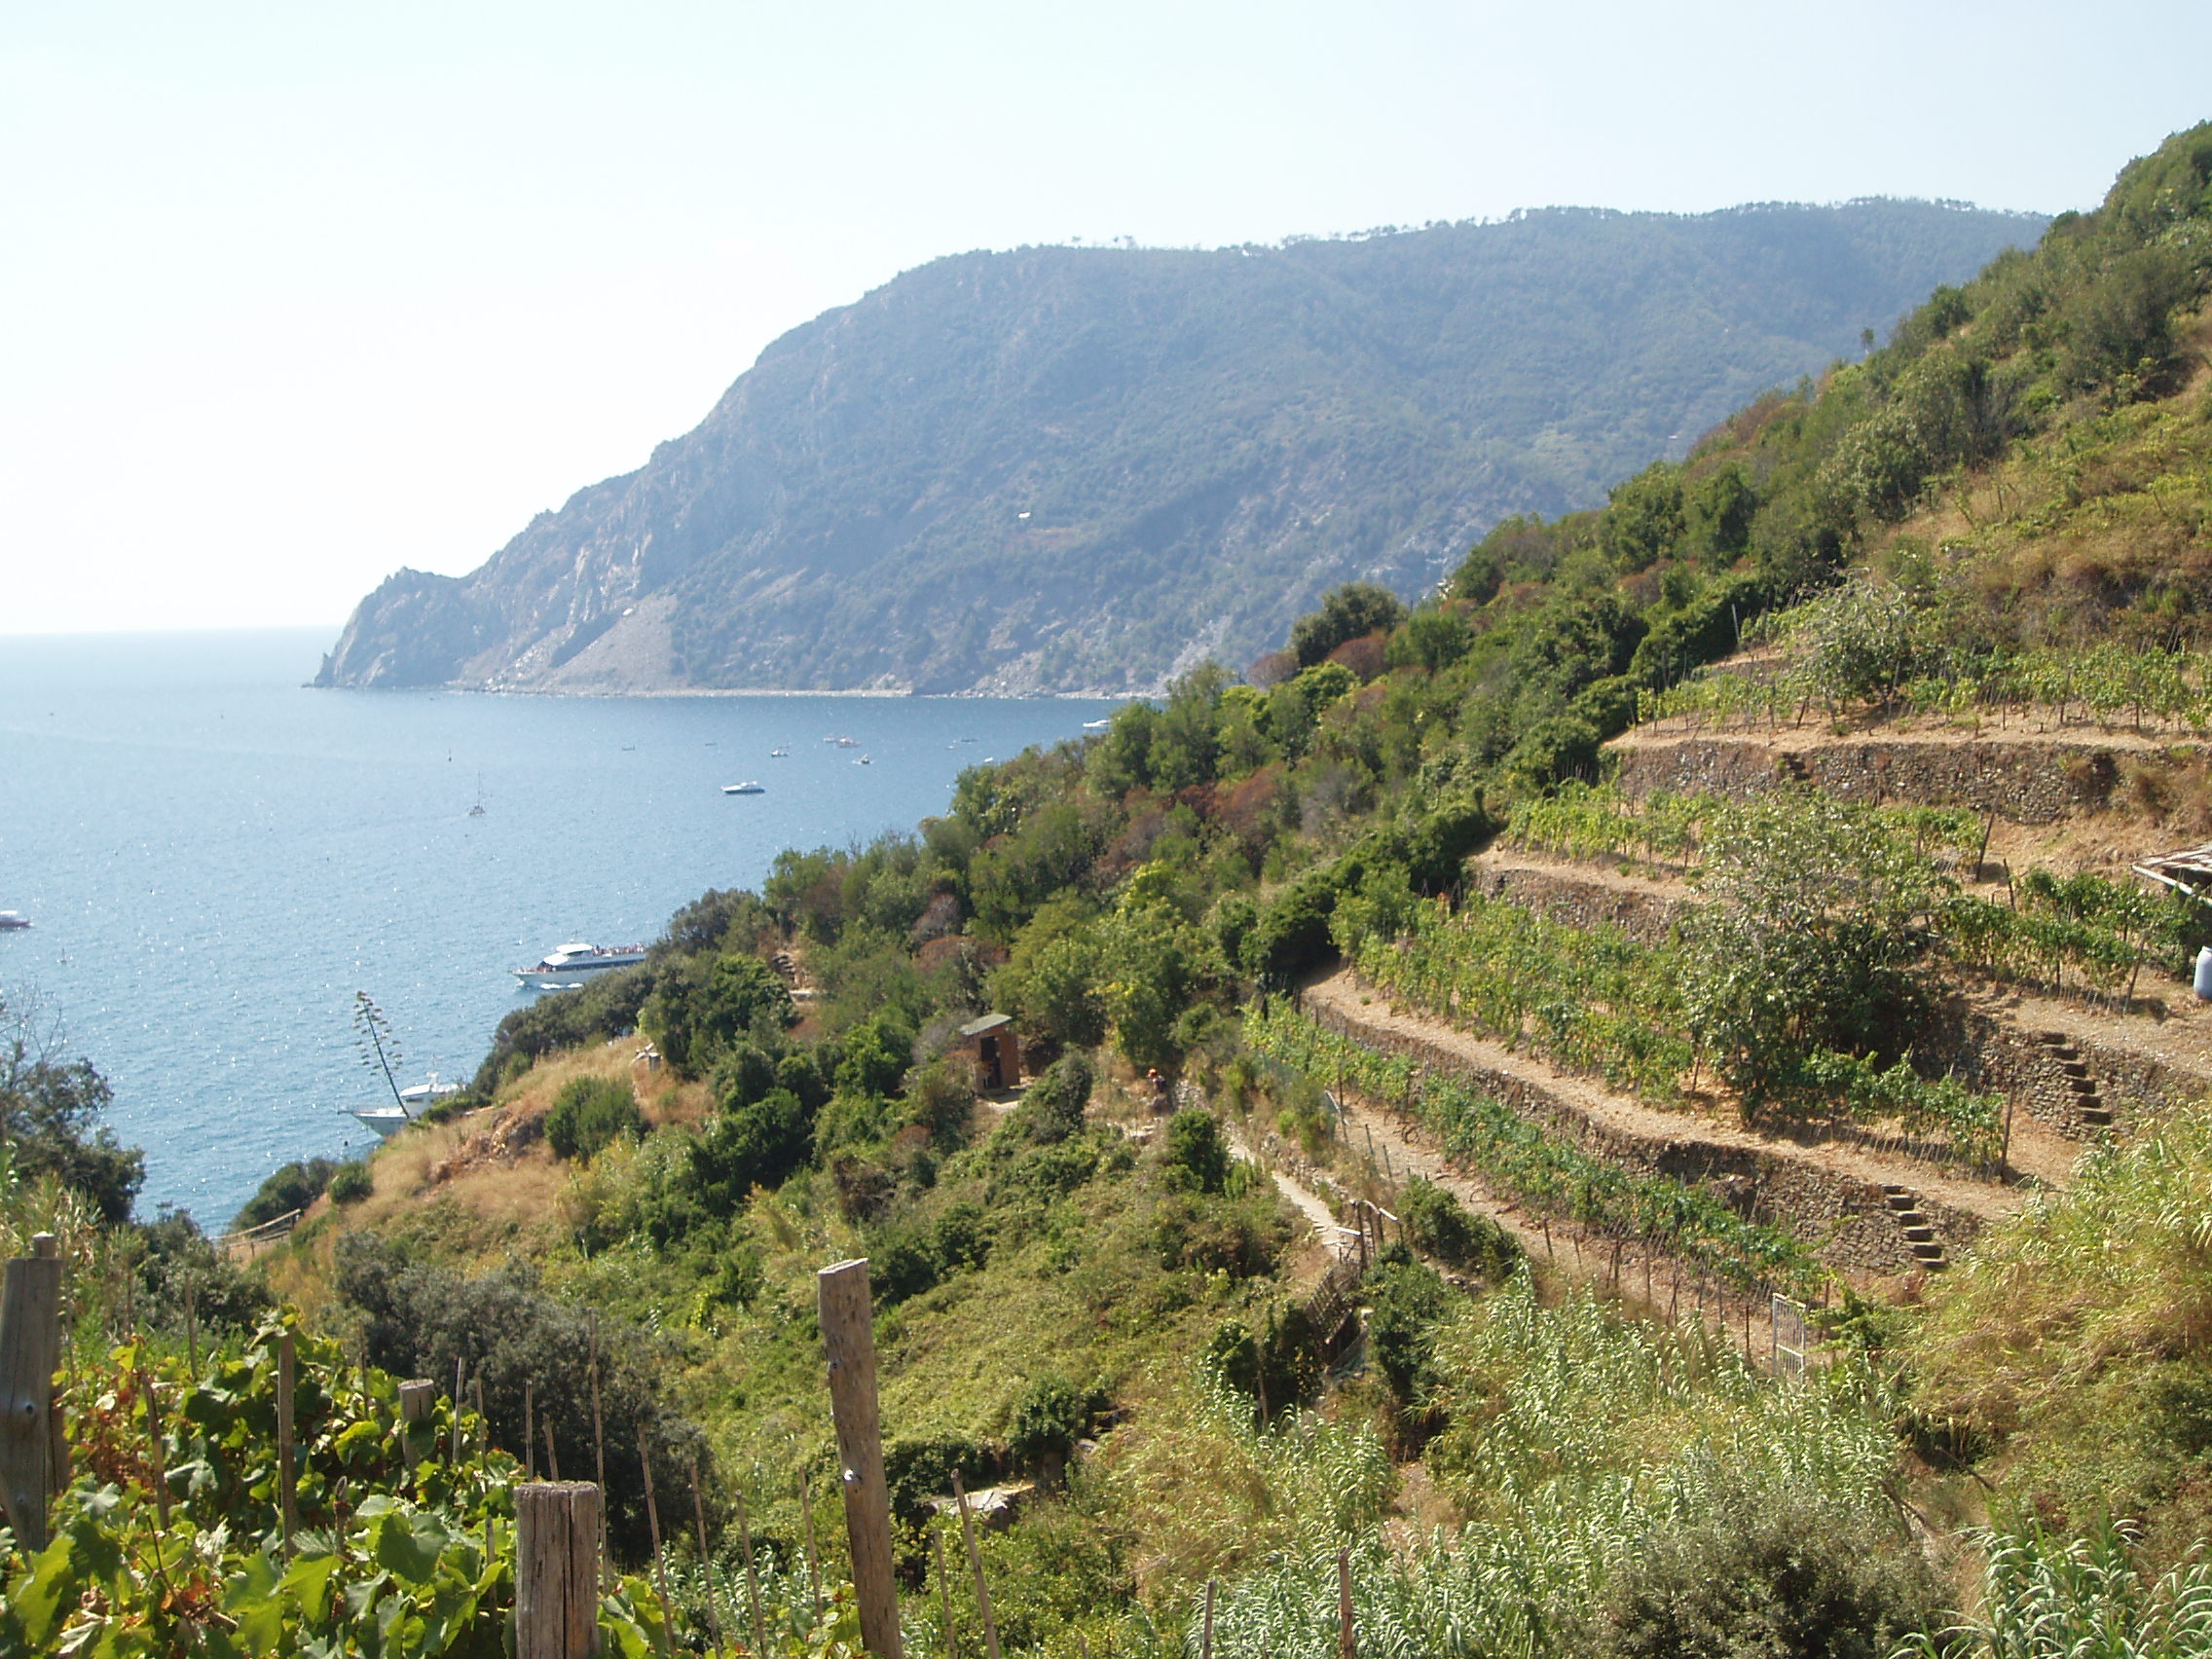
944	1593
813	1556
848	1340
191	1330
552	1458
1347	1647
287	1477
660	1562
415	1397
975	1565
557	1531
751	1574
706	1563
1206	1638
31	1333
529	1435
599	1450
457	1415
476	1395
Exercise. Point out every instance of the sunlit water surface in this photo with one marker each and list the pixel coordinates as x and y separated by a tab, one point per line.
216	859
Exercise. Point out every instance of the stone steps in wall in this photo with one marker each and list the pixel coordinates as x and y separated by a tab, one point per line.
1904	1208
2090	1107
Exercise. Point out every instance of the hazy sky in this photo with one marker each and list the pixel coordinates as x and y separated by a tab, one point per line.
297	294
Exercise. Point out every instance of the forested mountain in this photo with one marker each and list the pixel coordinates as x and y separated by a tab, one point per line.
1086	468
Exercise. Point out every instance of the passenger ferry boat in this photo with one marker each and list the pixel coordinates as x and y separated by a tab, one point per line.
576	962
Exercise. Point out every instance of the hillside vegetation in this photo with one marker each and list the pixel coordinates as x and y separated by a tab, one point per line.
1636	1075
1058	470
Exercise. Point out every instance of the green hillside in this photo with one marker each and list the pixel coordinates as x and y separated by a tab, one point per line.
1710	909
1067	468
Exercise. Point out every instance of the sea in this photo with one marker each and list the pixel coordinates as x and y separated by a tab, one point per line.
215	859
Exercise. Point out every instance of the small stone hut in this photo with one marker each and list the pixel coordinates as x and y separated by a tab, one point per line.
996	1052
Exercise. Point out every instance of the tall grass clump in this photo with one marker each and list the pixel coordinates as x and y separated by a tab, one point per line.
2045	1598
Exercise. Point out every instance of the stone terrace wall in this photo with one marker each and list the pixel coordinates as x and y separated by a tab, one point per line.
1646	917
2026	781
1847	1222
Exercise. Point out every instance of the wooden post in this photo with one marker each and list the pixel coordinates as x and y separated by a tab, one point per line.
552	1458
599	1450
30	1335
287	1477
1206	1638
557	1527
848	1340
751	1574
660	1562
457	1415
975	1565
530	1437
415	1397
1347	1647
190	1331
706	1562
944	1593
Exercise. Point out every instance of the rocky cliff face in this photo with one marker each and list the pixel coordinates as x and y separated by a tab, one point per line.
1066	470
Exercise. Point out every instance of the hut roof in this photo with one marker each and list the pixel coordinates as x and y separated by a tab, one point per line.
989	1022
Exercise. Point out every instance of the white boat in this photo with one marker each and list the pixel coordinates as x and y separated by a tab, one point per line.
779	752
1096	725
863	761
10	919
386	1120
749	787
576	962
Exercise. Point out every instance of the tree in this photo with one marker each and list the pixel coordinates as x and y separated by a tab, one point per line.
50	1112
1347	612
1815	943
701	1005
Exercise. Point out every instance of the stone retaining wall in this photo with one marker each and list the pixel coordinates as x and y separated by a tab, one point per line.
1847	1222
2026	781
1646	917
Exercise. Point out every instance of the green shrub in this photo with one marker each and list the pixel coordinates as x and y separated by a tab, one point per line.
1051	1107
1050	1417
1196	1157
1439	1226
351	1183
1773	1573
1406	1302
288	1188
418	1318
588	1113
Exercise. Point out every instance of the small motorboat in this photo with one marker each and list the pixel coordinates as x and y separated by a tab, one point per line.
780	753
749	787
11	919
388	1121
1096	725
863	761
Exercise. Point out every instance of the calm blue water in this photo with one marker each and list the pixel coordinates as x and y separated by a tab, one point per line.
215	859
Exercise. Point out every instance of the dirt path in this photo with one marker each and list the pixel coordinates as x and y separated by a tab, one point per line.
1348	997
